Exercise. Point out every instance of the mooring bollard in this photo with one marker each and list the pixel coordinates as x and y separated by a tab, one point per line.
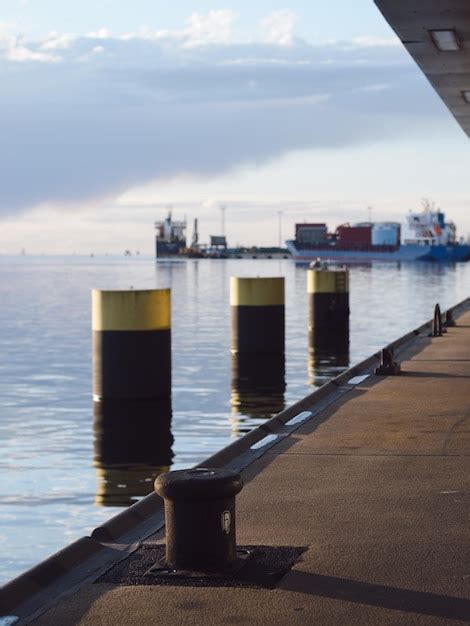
328	305
437	330
258	316
200	518
449	319
131	344
388	366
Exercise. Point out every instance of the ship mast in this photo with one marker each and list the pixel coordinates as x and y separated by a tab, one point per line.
195	239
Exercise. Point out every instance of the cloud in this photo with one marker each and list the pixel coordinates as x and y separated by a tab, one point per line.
14	48
102	33
214	27
57	42
202	29
89	117
279	27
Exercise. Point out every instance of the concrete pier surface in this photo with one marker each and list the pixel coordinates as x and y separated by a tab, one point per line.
375	486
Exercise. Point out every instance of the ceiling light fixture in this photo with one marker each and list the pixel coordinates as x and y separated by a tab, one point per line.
445	40
466	95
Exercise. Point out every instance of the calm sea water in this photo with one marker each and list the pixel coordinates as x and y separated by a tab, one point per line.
58	478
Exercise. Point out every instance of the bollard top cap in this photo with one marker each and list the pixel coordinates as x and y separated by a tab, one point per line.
199	483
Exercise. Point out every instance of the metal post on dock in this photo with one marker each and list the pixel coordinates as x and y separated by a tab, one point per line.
258	355
328	312
258	315
131	344
449	321
437	328
131	391
200	518
328	300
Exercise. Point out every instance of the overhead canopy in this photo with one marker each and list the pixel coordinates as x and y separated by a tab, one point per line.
437	35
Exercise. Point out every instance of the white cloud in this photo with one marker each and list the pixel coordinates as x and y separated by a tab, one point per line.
214	27
57	42
202	29
102	33
13	49
279	27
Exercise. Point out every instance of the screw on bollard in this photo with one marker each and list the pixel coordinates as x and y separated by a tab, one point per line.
388	366
449	321
200	518
436	328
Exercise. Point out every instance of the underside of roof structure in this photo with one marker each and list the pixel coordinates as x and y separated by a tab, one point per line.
437	35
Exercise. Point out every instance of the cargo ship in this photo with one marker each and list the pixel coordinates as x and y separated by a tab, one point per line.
170	239
170	242
425	236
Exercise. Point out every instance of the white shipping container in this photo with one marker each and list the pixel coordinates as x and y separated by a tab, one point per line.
385	234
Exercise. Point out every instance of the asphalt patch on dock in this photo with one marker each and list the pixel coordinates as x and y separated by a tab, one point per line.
263	569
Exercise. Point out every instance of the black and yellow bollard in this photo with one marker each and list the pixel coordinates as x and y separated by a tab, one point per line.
328	323
328	300
132	446
328	305
131	344
258	316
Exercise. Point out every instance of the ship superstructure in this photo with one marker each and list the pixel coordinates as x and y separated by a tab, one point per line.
428	228
170	238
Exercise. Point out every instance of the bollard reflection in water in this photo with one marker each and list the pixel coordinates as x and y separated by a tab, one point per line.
258	386
132	446
328	356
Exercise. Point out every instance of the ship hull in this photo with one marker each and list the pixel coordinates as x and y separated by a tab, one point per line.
167	249
411	252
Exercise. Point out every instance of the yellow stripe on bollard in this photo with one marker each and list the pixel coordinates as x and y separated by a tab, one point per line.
137	310
257	291
327	281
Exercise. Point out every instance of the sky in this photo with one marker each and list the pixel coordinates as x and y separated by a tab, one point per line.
111	113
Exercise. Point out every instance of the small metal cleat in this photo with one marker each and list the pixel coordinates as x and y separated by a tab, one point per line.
388	367
449	319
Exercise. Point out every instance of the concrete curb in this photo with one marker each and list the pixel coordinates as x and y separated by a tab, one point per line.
35	580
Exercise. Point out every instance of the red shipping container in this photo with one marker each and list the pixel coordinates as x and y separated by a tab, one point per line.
355	235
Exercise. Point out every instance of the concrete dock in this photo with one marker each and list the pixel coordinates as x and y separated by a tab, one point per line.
374	486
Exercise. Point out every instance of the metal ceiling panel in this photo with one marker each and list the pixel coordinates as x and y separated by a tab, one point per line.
448	72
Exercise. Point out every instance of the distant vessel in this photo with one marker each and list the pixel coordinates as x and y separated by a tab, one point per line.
426	236
170	239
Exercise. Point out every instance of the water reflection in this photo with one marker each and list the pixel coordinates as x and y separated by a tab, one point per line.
132	446
258	386
328	356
